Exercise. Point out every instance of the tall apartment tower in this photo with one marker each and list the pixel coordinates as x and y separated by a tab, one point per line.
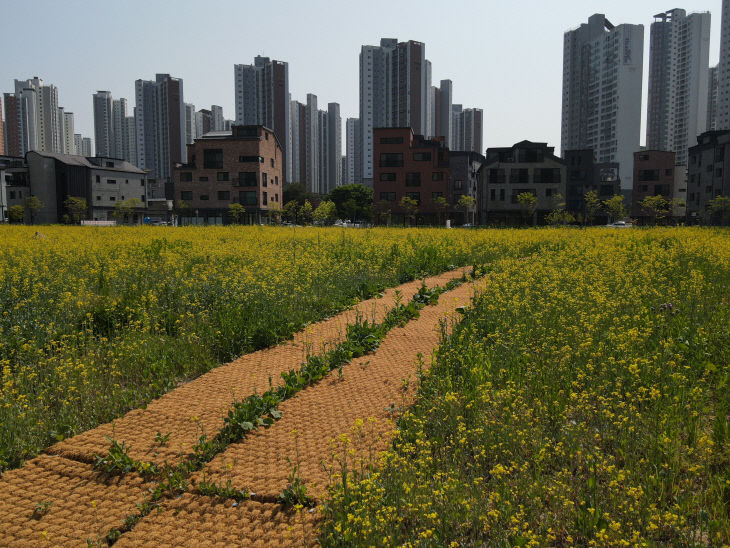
409	89
323	151
2	129
712	96
103	124
334	146
442	111
190	134
353	163
602	74
160	125
119	129
311	133
473	128
13	137
87	146
77	143
217	118
33	123
723	97
66	119
262	97
457	127
296	141
679	60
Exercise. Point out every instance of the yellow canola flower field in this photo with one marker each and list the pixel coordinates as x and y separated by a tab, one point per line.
96	321
584	399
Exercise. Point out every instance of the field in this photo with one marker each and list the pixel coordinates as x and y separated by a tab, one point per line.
96	322
583	400
572	390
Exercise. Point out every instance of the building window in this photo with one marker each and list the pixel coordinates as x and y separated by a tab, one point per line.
458	185
387	196
276	180
267	135
98	198
414	196
112	198
718	172
186	195
548	176
12	195
222	176
387	176
249	159
186	177
246	131
263	180
394	159
203	178
247	197
276	197
265	198
519	176
493	195
648	175
111	181
272	162
413	179
143	198
437	176
391	140
643	188
548	192
422	156
204	197
213	158
248	178
668	172
501	195
224	195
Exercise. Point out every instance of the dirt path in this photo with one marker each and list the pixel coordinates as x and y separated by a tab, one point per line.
309	435
76	503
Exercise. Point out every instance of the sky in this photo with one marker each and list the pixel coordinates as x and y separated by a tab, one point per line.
503	56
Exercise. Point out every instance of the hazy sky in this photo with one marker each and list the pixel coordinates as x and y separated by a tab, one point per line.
502	56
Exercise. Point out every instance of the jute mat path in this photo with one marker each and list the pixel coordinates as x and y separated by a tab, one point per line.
199	406
203	521
83	504
371	389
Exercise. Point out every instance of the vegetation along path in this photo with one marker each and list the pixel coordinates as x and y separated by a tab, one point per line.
85	490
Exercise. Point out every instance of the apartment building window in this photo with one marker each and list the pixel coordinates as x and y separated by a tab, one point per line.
112	198
272	162
264	181
186	195
493	195
387	196
224	195
501	195
248	178
643	188
222	176
186	177
497	177
437	176
276	197
204	197
391	140
276	180
422	156
204	179
519	176
394	159
98	198
247	197
414	196
648	175
111	181
387	176
251	159
413	179
719	154
213	158
549	176
109	164
458	185
143	198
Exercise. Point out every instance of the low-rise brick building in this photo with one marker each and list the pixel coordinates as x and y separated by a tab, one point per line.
655	173
707	176
523	167
409	165
242	166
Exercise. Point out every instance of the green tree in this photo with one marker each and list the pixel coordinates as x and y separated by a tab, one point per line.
326	213
615	208
528	205
593	206
306	212
33	205
354	202
719	208
16	214
441	204
124	210
384	211
183	209
236	212
467	202
291	211
559	215
76	207
297	192
410	206
657	207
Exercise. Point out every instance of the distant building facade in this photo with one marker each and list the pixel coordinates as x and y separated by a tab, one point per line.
586	175
707	177
654	175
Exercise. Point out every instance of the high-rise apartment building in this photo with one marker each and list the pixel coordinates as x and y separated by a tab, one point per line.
723	97
296	142
353	161
678	80
457	127
712	95
131	135
602	75
13	138
262	97
78	144
322	151
334	146
2	129
395	81
160	125
119	129
69	146
311	146
103	124
443	100
190	134
217	118
473	129
31	117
